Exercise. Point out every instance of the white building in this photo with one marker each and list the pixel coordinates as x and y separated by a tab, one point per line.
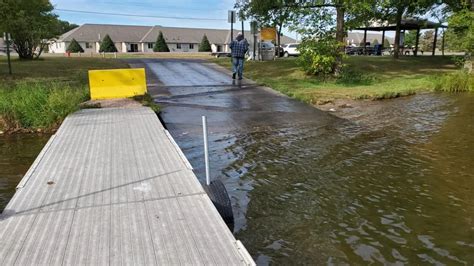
141	39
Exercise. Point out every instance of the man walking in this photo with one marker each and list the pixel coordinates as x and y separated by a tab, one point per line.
239	47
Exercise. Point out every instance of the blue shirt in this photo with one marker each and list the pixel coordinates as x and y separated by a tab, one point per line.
239	48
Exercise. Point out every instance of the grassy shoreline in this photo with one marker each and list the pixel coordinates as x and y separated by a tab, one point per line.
41	93
371	78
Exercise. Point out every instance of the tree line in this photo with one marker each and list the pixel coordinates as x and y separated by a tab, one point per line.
323	24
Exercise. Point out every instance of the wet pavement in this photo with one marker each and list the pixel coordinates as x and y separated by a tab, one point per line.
392	185
189	89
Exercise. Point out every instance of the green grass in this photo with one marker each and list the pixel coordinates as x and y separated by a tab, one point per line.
147	100
458	81
368	78
29	105
41	93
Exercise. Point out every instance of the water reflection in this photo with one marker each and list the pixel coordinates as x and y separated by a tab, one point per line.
17	153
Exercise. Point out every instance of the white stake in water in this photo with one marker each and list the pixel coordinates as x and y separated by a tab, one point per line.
206	150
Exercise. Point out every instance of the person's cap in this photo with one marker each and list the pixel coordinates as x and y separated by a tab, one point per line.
239	34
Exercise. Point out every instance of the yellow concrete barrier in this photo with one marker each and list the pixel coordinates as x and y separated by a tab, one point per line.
116	83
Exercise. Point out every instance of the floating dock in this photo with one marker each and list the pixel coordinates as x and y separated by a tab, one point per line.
111	187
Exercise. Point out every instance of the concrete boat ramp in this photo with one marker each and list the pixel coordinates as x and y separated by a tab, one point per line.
111	187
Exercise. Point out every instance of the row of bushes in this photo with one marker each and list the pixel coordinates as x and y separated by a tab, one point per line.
44	105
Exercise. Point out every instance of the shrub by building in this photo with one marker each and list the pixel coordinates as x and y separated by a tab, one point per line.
205	46
160	44
74	47
107	45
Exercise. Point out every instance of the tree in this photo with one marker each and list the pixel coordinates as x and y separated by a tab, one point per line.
269	13
460	33
107	45
324	20
427	40
205	46
386	43
160	44
31	24
65	26
394	10
74	47
410	38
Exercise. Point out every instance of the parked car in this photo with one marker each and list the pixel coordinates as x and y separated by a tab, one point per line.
291	49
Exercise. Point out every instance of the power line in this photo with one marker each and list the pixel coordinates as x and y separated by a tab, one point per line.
137	15
149	5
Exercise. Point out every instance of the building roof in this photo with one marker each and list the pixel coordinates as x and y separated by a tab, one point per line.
118	33
138	34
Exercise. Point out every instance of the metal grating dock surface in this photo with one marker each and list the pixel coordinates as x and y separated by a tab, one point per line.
109	188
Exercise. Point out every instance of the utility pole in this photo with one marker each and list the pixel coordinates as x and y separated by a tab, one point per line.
7	37
231	20
253	31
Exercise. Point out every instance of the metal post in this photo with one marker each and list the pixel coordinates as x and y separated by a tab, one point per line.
383	40
206	150
232	30
442	42
243	30
434	42
417	42
7	37
365	42
254	46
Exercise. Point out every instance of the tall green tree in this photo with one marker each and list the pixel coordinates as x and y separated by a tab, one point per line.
395	10
107	45
74	47
160	44
426	40
31	24
410	38
324	20
460	32
205	46
65	26
268	13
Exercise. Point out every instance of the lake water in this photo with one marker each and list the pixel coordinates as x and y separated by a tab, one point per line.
391	184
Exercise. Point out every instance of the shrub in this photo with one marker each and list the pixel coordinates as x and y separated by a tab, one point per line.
74	47
38	105
107	45
318	57
160	44
458	81
205	46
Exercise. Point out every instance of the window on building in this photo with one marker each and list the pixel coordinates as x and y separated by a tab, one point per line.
150	45
178	46
88	45
191	46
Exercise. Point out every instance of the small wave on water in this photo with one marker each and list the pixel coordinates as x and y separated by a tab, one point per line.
393	187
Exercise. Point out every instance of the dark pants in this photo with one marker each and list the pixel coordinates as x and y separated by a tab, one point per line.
238	66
